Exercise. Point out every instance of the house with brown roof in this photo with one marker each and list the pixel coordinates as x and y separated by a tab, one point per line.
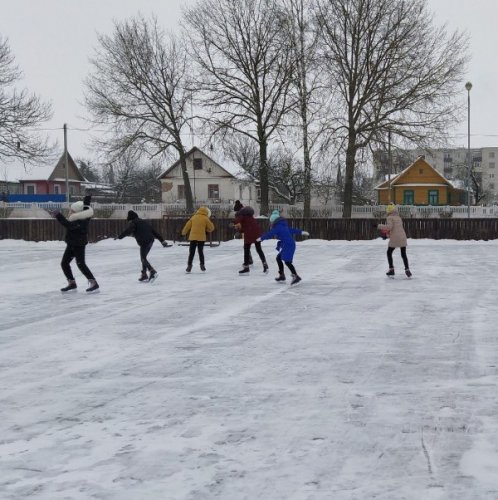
419	184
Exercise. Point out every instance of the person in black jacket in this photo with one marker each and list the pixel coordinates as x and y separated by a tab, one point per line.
144	233
77	238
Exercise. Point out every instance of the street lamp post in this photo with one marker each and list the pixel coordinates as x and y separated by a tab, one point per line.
468	87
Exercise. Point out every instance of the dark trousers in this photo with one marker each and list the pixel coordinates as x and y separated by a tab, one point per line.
390	251
200	249
280	264
77	253
247	252
144	251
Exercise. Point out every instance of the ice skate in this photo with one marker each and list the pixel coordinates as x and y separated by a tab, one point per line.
280	278
265	267
93	286
244	270
152	276
71	286
408	273
203	268
295	279
390	273
189	269
143	277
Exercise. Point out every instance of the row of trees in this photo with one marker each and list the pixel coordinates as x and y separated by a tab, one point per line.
306	81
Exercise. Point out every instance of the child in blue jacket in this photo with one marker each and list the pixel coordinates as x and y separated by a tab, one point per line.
286	245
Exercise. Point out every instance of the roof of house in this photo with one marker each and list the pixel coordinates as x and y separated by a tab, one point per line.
15	170
229	166
395	180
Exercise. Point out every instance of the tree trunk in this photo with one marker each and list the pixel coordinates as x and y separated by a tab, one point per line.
189	201
307	173
263	177
349	178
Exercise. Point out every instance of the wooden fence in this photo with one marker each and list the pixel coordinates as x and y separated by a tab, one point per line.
326	229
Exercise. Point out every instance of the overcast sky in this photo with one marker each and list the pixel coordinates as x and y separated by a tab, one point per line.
53	39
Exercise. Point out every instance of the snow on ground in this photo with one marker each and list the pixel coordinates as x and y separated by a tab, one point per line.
348	386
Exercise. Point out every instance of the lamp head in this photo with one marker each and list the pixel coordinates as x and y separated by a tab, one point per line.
468	86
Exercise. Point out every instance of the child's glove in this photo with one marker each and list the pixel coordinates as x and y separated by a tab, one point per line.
305	234
258	240
279	245
164	244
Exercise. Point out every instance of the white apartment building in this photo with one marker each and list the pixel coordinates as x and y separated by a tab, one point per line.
451	162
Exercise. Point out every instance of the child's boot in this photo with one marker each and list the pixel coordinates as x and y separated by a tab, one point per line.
71	285
390	273
265	267
280	277
93	286
244	270
143	276
153	275
408	273
295	279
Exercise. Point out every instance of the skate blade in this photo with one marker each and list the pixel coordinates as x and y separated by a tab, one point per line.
91	292
66	292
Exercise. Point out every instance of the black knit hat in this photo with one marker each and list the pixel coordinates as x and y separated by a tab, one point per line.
132	215
237	206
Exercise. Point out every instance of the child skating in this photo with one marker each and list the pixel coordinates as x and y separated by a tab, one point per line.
397	239
286	245
247	224
145	234
197	228
76	239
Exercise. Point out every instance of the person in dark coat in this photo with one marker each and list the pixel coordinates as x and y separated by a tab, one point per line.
145	234
248	225
76	239
238	234
286	245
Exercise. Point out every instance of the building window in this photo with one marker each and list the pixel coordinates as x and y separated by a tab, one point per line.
491	176
213	191
197	163
408	197
71	190
491	186
491	164
420	171
434	197
57	189
491	154
30	189
181	192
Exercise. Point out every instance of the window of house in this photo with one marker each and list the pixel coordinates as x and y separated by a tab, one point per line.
213	191
30	189
491	154
491	176
197	163
71	190
181	192
491	164
420	170
434	197
408	197
57	189
491	186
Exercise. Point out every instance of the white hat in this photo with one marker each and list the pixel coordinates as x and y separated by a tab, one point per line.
77	206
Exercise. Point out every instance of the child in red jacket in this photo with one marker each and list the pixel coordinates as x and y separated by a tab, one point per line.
247	224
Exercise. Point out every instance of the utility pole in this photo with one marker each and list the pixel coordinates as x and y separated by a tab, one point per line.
390	161
468	88
66	164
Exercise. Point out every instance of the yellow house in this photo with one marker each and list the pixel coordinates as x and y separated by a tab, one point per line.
419	184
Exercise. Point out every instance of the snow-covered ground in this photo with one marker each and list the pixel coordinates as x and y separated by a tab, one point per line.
347	386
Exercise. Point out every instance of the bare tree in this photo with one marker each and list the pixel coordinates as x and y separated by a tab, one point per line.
245	70
140	87
20	111
390	68
303	40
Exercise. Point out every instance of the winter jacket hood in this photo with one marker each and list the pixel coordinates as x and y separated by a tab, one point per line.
142	230
280	229
397	235
198	225
77	224
248	225
131	215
